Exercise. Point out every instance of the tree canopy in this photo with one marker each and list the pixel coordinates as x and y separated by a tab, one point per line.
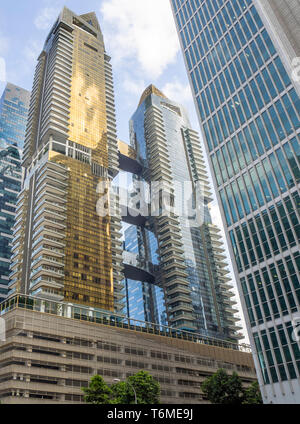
221	388
98	392
146	387
252	394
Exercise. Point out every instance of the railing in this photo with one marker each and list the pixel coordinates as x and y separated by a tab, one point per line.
111	319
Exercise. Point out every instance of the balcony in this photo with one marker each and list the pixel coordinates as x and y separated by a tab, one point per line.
181	307
47	270
178	297
57	206
48	250
181	315
52	190
14	264
57	243
52	177
52	185
21	197
48	261
17	228
54	212
180	289
13	274
176	271
50	197
47	230
48	294
12	282
46	282
58	224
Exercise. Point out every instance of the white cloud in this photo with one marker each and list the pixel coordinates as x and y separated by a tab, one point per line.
26	62
142	31
134	86
178	92
46	18
32	51
4	44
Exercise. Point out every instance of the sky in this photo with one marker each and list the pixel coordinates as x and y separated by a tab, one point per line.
139	35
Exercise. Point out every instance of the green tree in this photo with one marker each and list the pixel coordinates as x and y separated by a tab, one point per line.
147	389
98	392
221	388
252	394
121	393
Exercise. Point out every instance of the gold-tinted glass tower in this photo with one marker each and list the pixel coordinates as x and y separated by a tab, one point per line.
62	249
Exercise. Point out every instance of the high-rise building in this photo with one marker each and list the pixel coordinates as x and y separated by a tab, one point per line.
14	105
239	59
62	248
181	260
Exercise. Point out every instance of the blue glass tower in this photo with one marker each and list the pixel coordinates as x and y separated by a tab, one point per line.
14	105
190	273
238	55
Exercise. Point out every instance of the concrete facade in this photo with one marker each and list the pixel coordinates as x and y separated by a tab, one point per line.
48	358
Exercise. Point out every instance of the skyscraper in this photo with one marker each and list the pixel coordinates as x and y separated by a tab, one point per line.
14	105
239	59
63	250
190	267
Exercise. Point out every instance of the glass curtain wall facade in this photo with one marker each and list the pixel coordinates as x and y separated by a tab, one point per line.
10	186
248	108
14	105
63	249
143	300
194	280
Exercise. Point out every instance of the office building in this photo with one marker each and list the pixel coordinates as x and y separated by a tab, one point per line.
239	58
14	105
